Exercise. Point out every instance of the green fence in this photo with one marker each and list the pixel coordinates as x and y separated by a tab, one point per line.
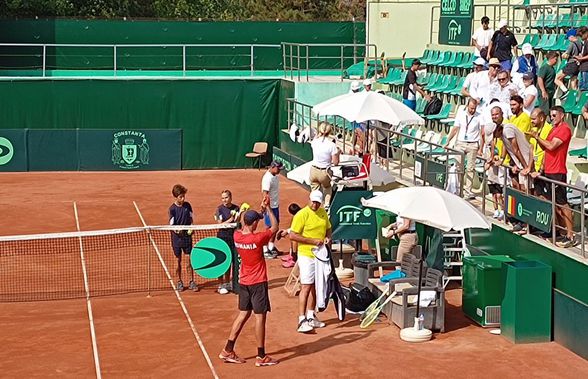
220	119
88	32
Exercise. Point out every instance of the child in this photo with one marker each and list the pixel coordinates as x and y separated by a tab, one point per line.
180	213
290	260
227	213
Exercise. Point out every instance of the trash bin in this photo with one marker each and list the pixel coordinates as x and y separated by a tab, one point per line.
360	264
483	288
526	307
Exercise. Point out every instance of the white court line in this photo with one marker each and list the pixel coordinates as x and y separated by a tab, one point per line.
180	300
88	303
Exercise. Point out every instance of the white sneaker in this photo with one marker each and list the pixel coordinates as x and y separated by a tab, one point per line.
501	215
304	326
222	290
496	214
316	323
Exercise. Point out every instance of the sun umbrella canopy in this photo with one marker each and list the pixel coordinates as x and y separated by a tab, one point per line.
369	105
430	206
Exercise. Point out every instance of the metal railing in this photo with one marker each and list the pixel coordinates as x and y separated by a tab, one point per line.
297	57
181	51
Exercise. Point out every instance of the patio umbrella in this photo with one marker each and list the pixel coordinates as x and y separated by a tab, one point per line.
434	207
369	105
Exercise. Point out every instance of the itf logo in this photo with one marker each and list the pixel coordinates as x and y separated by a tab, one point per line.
6	151
350	215
130	149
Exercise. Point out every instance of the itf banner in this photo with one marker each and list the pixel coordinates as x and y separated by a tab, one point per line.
455	23
349	219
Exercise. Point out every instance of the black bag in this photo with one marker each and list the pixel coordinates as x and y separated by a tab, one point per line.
360	298
433	106
349	171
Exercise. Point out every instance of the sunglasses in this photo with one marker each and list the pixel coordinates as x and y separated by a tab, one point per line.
553	115
502	79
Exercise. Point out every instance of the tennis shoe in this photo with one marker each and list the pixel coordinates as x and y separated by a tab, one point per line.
269	255
223	290
180	286
265	361
193	286
288	264
231	357
316	323
304	326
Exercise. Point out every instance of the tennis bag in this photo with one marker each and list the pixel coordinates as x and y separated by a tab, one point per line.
360	297
433	106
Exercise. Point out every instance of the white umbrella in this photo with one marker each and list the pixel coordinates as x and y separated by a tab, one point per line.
369	105
430	206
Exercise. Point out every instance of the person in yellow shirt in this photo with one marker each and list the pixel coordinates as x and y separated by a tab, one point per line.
542	128
311	228
519	118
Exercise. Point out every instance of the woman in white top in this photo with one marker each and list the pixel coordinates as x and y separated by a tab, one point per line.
529	93
324	154
405	229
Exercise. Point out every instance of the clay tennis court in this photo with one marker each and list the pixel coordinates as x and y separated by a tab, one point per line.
136	335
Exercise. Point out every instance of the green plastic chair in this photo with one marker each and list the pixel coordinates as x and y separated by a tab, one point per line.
468	61
539	22
565	20
456	91
444	113
393	73
571	101
438	83
421	103
580	104
560	43
458	60
550	42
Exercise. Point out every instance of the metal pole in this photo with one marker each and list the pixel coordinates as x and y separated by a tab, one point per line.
298	60
553	217
582	222
114	57
291	62
251	61
342	69
388	152
184	60
504	199
44	59
284	58
148	267
307	62
484	181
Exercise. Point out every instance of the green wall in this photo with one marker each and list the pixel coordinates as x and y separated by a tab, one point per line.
220	119
69	31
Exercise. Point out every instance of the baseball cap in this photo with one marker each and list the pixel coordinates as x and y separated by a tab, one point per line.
493	62
355	85
502	24
528	76
527	49
277	164
479	61
251	216
317	196
367	82
571	33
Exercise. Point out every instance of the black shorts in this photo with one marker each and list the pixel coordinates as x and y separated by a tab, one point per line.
494	188
178	251
543	188
254	298
571	69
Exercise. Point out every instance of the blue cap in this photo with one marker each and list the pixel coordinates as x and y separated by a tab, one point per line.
571	33
251	216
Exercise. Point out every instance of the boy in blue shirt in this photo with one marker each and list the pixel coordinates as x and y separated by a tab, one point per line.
180	213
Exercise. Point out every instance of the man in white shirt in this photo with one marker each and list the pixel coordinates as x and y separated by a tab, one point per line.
503	89
481	38
482	82
469	89
467	127
270	189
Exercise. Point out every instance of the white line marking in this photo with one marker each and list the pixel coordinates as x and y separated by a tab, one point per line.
88	303
179	297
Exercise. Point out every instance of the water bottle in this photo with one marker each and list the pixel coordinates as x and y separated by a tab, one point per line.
421	322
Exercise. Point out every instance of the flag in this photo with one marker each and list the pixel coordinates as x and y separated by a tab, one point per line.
511	205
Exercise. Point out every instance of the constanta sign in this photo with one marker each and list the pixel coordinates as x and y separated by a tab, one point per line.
455	23
528	209
349	219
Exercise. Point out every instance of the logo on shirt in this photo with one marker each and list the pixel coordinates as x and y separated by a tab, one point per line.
350	215
211	257
130	149
6	151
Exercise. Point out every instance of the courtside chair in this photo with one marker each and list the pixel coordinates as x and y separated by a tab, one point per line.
259	152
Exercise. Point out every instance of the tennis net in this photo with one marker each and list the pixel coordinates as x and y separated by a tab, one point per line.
117	261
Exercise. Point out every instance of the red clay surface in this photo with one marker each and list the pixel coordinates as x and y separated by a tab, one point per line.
141	336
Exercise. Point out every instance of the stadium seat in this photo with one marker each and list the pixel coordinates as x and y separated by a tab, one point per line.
571	101
432	57
577	110
259	151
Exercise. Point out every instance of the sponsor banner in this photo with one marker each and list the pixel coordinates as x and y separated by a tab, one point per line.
529	209
455	23
350	219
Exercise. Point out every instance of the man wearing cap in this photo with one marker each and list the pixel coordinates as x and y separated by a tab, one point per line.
355	87
481	38
502	45
572	67
525	64
311	228
270	189
367	85
546	81
483	81
469	89
253	293
410	87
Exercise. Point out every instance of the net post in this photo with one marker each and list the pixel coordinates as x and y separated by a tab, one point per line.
149	247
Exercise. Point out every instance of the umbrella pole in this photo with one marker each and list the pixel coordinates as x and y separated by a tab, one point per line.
418	307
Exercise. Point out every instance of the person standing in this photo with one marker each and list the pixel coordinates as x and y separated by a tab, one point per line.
467	127
542	128
469	89
502	45
253	292
503	88
525	64
582	59
325	154
311	228
572	67
405	230
481	38
483	83
556	147
270	190
227	213
180	213
529	93
519	117
546	81
410	87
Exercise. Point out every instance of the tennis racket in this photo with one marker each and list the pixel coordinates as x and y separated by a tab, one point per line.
373	314
373	305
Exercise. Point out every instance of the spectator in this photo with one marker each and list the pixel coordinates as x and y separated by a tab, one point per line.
525	64
503	89
572	67
355	87
467	127
582	58
405	230
494	174
325	153
469	88
367	85
502	45
529	93
546	81
481	39
542	128
484	81
519	118
410	87
270	191
555	168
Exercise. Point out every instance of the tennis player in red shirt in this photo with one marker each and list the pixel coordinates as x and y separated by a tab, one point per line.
253	292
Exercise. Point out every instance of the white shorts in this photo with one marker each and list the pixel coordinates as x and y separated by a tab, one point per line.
307	267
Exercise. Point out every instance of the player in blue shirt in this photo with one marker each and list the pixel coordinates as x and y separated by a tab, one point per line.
227	213
180	213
